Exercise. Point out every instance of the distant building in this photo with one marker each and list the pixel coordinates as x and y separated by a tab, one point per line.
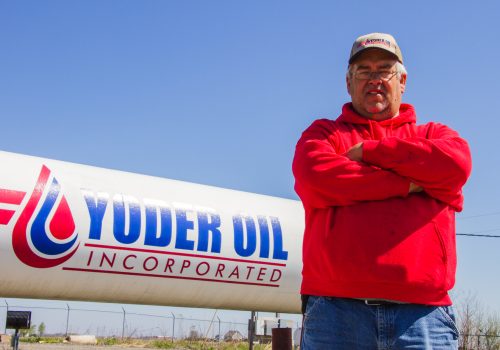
264	325
233	336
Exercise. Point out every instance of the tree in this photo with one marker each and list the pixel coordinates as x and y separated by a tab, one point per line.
41	329
478	329
193	334
28	332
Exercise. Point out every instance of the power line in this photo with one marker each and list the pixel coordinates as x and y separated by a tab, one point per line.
480	233
477	235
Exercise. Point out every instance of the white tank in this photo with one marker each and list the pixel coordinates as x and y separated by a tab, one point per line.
76	232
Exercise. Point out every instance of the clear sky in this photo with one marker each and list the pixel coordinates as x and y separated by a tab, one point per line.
218	92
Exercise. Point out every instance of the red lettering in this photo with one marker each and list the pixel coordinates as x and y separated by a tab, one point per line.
261	272
125	261
235	272
220	268
272	276
249	268
155	264
185	264
110	262
169	264
198	268
90	257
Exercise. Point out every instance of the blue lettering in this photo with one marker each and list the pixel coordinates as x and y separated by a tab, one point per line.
264	237
165	236
134	211
205	226
278	252
183	225
239	236
97	207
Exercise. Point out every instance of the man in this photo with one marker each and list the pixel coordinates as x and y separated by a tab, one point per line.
380	195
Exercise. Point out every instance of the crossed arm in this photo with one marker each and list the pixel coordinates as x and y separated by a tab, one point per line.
355	153
438	164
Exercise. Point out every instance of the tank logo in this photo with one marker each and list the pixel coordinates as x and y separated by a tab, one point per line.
145	237
45	234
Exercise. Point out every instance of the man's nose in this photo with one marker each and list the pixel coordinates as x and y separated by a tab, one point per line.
375	77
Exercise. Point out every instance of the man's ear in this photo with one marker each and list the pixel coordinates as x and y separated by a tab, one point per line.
348	84
402	83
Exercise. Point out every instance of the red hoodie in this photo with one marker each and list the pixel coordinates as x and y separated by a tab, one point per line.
366	236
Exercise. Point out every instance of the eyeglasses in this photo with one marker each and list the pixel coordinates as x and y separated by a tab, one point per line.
384	75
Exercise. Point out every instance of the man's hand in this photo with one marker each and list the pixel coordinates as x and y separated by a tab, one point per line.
355	152
415	188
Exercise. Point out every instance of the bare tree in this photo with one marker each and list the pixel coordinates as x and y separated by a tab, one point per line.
478	329
491	329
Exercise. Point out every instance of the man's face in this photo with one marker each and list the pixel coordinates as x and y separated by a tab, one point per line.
375	98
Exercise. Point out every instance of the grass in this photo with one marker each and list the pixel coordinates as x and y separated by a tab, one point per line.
157	344
49	340
201	345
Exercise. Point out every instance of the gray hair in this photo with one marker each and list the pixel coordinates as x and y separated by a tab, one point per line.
400	68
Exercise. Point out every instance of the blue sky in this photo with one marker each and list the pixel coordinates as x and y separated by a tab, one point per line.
218	92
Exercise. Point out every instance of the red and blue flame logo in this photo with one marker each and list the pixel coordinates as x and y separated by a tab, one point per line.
45	234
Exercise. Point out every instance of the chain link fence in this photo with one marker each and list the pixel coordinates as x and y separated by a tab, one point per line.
65	319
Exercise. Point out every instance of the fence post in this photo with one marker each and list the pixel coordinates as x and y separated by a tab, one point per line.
219	329
6	312
251	330
67	319
123	325
173	327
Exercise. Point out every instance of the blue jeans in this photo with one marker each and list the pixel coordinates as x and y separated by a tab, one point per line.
338	324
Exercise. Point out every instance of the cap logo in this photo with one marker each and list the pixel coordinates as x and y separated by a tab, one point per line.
375	42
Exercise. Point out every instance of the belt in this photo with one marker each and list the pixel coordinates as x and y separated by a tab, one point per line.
371	302
378	302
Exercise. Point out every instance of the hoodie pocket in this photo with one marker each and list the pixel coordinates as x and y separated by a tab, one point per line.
406	243
417	259
442	244
445	231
